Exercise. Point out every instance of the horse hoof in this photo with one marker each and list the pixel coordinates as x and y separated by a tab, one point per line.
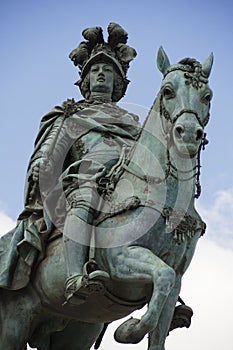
127	332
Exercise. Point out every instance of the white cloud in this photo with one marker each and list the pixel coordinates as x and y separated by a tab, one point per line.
219	218
6	223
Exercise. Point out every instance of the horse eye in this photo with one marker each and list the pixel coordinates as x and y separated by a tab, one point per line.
168	93
207	98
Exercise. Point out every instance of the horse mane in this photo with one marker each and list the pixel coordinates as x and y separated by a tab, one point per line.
192	62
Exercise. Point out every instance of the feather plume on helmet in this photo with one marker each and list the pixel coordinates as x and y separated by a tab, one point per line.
95	50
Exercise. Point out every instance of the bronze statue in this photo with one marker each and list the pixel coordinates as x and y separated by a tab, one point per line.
109	223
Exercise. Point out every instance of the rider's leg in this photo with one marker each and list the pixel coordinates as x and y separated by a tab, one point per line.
75	252
77	236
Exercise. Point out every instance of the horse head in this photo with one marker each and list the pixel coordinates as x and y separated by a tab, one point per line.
184	101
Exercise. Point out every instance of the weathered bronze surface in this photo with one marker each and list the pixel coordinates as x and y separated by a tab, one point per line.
109	223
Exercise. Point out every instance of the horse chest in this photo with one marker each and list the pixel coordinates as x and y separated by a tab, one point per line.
173	238
178	256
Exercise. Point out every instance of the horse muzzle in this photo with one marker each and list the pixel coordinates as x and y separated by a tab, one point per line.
187	134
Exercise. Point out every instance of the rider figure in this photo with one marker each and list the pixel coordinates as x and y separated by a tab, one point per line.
76	147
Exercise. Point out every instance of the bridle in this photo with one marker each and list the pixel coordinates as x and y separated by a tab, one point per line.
164	114
171	169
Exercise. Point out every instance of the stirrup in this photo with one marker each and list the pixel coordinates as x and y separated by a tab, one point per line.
92	282
73	284
99	275
91	271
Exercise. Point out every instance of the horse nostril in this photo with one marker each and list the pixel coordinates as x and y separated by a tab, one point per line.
199	134
179	131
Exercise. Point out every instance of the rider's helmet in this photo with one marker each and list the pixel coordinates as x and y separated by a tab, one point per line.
96	50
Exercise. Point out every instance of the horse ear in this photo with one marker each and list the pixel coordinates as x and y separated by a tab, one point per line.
207	65
162	60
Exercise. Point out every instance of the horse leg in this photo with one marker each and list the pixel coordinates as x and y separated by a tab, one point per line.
12	336
76	335
17	312
140	264
158	336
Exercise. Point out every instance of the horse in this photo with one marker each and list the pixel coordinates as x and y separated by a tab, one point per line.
144	238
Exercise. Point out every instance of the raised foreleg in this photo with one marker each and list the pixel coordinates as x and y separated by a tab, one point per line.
158	336
138	264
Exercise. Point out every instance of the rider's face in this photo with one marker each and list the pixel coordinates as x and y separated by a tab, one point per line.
102	78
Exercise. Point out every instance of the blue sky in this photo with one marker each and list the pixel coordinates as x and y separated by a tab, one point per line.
36	74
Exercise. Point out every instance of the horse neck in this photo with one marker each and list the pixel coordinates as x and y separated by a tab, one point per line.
151	145
181	182
178	186
152	123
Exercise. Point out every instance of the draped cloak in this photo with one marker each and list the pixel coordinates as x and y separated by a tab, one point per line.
24	246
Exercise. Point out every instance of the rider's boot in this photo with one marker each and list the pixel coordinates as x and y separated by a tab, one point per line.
77	234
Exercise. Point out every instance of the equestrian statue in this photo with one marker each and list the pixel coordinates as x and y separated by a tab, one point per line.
109	222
